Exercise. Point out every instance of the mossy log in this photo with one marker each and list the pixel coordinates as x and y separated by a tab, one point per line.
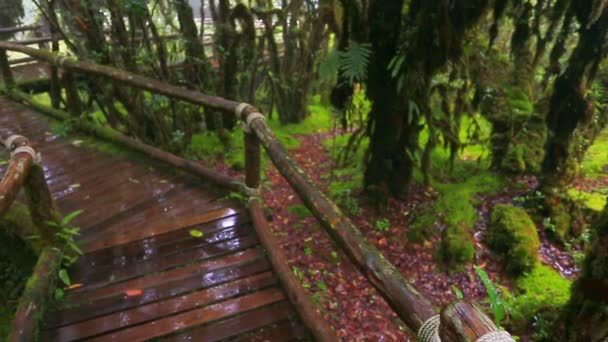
125	77
41	204
37	292
463	321
17	29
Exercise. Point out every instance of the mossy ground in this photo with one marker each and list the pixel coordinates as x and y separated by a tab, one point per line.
595	168
537	296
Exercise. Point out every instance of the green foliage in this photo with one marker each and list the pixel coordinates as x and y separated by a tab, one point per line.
421	228
382	225
16	265
456	203
542	291
496	303
354	61
66	234
513	234
300	211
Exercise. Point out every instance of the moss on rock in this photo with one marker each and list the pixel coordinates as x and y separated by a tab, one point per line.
513	234
457	245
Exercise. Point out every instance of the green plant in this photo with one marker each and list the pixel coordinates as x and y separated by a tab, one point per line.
65	234
458	292
382	225
496	303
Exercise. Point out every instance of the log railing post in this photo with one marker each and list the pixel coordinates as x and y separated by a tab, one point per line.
252	160
26	324
463	321
41	204
71	91
7	74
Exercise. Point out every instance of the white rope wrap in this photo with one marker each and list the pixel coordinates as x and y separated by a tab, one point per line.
250	118
496	336
240	108
36	157
429	331
11	140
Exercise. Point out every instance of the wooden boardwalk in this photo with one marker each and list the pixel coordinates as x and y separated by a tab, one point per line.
144	275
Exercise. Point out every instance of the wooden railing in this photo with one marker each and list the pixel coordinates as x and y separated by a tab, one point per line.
459	321
23	171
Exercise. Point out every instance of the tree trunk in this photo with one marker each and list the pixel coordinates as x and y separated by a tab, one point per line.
585	317
569	105
387	169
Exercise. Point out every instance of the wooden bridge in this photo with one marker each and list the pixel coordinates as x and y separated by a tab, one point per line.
166	256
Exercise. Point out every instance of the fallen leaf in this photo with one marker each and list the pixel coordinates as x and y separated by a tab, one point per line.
74	286
196	233
133	292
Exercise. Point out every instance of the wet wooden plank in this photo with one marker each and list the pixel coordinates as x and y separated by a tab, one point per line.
90	304
164	244
158	310
119	261
175	260
159	229
193	318
169	207
244	323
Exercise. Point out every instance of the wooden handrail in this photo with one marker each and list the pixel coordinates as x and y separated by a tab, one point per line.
408	303
22	171
16	173
17	29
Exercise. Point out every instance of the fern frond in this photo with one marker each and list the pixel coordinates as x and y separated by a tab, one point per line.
354	62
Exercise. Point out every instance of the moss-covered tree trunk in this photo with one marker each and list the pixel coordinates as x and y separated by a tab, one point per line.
586	315
569	104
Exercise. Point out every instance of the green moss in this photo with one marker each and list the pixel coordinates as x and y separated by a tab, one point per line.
595	201
456	203
596	158
16	264
542	290
457	246
421	229
207	145
513	234
527	149
299	210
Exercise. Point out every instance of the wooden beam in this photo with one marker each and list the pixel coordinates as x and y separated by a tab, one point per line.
11	30
309	314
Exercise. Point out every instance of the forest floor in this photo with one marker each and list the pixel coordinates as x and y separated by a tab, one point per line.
349	301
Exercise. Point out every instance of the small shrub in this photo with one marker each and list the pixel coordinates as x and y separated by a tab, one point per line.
456	247
300	211
382	225
513	234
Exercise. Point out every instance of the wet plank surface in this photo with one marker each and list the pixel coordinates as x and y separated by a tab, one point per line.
144	274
